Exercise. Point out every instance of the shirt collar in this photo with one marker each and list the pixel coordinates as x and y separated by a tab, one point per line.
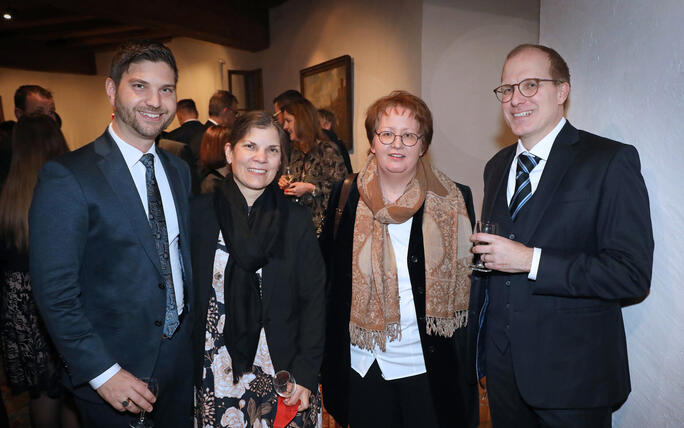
130	154
543	147
190	120
212	121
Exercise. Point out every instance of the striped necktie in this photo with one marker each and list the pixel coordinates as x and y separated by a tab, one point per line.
523	188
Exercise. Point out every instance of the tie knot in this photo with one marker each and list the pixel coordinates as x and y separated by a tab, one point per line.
148	160
528	161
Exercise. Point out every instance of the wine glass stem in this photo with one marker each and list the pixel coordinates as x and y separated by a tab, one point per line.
142	416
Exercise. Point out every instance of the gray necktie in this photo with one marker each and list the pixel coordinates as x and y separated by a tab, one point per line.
523	187
161	240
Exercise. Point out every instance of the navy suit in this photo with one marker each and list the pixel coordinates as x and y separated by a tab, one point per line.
96	272
564	331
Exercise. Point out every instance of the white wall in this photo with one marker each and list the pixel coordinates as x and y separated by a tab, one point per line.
381	36
626	59
463	49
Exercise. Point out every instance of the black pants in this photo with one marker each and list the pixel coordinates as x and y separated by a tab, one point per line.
375	402
508	409
173	371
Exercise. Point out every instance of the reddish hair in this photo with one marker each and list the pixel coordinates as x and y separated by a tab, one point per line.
396	100
212	151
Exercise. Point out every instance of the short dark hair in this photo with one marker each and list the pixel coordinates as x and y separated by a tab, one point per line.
140	50
24	91
259	119
220	100
328	116
400	99
558	67
186	104
287	97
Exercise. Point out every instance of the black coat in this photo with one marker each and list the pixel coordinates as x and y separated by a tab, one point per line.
446	359
293	287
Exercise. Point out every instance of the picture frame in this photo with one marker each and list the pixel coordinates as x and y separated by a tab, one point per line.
329	85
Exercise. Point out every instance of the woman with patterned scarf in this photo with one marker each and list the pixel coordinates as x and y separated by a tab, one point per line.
398	283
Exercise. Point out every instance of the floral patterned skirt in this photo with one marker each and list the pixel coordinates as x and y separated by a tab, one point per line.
251	402
29	358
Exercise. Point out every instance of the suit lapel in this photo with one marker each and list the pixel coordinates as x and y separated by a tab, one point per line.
560	159
498	181
118	176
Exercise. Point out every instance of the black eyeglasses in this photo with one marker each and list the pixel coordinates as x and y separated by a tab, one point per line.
408	139
527	88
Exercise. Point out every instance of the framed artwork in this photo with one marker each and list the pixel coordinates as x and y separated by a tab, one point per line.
2	116
328	85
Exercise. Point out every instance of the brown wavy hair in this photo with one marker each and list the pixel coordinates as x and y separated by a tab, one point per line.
212	150
262	120
36	139
400	99
307	126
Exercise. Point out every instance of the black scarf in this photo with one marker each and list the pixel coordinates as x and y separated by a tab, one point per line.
251	239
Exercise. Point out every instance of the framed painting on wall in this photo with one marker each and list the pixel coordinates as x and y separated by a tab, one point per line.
328	85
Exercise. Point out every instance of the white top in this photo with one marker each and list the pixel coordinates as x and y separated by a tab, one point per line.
541	150
403	357
132	158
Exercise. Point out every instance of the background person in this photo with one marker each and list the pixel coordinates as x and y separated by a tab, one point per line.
315	162
213	157
398	283
30	360
259	281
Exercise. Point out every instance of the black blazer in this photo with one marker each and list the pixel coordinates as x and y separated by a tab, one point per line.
185	132
94	264
590	216
446	359
293	292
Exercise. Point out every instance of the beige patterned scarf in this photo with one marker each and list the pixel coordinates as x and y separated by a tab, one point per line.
446	229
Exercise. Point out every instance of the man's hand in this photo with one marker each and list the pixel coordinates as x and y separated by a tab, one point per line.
302	394
502	254
124	387
299	188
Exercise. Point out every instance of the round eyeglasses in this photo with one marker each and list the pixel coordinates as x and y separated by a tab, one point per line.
527	88
409	139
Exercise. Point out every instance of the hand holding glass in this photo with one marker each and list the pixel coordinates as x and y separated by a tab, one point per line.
483	227
140	421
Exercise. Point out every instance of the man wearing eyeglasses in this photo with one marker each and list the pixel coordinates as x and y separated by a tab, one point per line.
574	243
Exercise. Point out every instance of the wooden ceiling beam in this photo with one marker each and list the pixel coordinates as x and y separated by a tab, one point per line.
30	55
86	32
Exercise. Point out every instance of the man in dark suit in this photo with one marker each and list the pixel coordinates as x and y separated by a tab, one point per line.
574	243
222	111
186	112
109	253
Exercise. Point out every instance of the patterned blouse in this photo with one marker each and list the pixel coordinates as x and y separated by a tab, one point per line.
252	401
322	166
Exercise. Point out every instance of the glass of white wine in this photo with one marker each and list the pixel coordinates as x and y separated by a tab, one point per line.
140	421
483	227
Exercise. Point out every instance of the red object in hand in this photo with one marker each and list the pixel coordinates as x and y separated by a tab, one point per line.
284	413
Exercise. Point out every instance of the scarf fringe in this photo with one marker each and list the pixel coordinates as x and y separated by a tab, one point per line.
369	339
446	327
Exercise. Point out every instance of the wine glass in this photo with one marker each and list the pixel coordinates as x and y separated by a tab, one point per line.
483	227
284	383
140	421
288	175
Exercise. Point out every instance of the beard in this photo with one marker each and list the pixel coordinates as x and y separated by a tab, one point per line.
130	118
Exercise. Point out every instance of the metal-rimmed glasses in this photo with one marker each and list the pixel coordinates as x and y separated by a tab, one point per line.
409	139
527	88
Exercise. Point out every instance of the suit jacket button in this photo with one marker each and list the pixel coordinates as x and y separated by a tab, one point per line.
158	323
508	283
511	236
161	285
413	259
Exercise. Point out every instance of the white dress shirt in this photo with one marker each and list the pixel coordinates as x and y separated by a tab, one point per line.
132	158
403	357
541	150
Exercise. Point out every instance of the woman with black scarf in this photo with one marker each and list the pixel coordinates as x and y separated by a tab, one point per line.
259	287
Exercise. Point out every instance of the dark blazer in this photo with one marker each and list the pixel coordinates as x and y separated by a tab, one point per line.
185	132
590	216
94	265
293	292
196	140
445	358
